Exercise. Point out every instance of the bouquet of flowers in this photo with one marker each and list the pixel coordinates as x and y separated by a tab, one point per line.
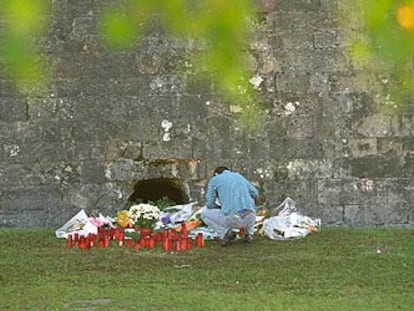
144	215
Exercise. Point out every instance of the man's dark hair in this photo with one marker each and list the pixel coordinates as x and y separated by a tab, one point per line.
220	169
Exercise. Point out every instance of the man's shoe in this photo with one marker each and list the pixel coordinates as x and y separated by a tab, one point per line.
248	238
228	237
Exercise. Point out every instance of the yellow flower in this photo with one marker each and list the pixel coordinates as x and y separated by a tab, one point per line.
405	17
123	219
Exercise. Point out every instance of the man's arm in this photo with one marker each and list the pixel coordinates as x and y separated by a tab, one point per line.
211	195
252	189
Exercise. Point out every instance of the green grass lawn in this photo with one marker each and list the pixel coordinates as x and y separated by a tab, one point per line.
334	269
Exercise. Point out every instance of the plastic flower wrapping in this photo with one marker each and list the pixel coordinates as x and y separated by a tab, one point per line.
144	215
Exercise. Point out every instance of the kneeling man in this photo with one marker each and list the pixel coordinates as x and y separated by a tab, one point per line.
230	204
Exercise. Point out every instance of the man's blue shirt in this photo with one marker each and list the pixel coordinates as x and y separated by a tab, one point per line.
234	192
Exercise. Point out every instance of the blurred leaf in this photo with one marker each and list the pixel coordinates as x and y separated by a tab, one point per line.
376	12
118	30
361	53
176	17
222	27
24	22
26	16
386	46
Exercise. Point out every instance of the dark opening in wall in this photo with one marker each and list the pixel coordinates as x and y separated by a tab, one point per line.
159	188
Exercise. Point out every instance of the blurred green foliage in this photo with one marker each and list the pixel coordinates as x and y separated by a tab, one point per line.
223	27
380	44
22	23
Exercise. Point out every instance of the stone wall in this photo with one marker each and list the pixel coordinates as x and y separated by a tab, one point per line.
112	120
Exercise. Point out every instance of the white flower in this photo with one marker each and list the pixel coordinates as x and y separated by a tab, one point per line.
144	211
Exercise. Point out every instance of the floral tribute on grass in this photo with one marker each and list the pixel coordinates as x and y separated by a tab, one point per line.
176	228
169	239
138	227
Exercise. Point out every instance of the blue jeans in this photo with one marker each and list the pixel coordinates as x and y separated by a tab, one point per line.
215	219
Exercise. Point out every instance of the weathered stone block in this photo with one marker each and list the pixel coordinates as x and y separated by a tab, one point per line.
319	83
174	149
299	5
212	149
301	125
408	166
13	109
377	125
194	108
121	170
287	149
326	39
375	167
390	145
359	148
276	128
330	214
19	175
374	215
361	191
318	61
83	27
28	207
168	84
402	126
310	169
291	81
92	171
303	192
297	40
7	89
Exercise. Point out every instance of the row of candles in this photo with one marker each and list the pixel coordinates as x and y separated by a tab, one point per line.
170	239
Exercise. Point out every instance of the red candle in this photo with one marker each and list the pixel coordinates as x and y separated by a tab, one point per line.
112	233
184	244
165	235
91	240
117	234
189	244
69	242
137	245
120	243
184	231
129	243
197	239
83	243
151	243
76	239
101	243
173	234
165	244
158	237
100	232
200	240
